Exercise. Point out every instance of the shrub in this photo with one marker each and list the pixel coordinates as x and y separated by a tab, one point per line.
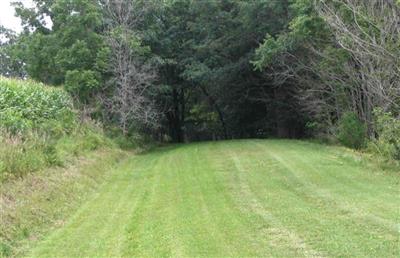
387	128
351	131
134	139
93	136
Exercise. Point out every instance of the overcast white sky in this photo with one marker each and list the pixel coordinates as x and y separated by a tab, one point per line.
7	18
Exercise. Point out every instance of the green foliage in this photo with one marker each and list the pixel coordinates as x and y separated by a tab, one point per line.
304	26
5	249
351	131
81	83
38	128
10	63
27	105
202	121
387	127
21	154
93	137
267	51
133	140
72	52
256	66
204	49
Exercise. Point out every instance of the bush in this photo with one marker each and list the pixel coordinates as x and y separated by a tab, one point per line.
93	136
134	139
351	131
387	128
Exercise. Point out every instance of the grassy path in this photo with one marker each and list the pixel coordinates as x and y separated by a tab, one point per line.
237	198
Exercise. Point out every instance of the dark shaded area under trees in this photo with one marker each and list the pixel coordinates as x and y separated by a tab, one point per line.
215	69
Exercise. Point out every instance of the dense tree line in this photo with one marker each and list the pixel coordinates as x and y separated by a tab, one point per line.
193	70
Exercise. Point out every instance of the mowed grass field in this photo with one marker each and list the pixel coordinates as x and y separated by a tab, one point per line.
276	198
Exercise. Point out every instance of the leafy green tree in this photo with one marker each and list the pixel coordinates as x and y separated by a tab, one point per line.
225	69
11	64
336	53
71	50
204	50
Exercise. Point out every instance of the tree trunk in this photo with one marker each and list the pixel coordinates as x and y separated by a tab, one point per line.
176	123
182	118
280	114
219	111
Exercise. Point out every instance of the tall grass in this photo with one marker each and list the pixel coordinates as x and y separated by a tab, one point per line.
25	153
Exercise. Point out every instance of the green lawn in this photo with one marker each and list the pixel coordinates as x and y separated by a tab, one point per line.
237	198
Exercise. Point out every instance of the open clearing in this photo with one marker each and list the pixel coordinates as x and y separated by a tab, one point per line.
237	198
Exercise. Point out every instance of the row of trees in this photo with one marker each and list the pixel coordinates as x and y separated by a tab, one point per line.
193	70
341	56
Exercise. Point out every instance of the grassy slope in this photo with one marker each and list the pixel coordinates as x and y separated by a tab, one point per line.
40	202
237	198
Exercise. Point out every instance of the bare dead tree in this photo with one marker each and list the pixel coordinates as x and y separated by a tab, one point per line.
132	77
370	31
367	30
